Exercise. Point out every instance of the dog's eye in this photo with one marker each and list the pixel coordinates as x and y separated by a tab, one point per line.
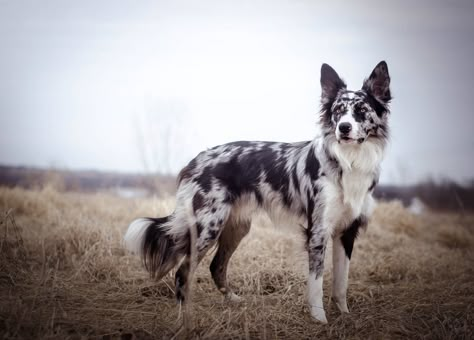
362	110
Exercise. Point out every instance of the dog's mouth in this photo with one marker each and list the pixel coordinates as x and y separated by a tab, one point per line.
349	140
346	140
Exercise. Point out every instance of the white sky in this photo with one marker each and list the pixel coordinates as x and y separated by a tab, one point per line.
83	83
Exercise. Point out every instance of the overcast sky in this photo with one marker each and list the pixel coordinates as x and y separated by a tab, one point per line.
136	85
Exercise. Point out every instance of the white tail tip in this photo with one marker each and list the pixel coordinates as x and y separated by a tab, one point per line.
133	239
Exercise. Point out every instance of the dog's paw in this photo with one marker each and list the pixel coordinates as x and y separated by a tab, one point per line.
233	298
341	304
319	314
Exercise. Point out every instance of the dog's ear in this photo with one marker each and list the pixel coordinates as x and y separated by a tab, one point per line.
330	83
378	83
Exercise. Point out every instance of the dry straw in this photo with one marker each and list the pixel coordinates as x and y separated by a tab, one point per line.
65	275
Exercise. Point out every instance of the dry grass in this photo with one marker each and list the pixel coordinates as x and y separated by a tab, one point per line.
65	275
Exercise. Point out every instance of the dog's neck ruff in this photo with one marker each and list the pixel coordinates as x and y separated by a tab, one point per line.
353	168
364	158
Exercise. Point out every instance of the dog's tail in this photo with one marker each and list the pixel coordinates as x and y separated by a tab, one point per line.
159	249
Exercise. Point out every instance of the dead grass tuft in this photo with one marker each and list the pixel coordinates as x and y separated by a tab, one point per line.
64	274
455	236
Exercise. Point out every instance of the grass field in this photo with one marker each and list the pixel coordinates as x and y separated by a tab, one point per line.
64	274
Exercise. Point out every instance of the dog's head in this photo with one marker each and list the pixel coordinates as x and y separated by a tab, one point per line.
355	116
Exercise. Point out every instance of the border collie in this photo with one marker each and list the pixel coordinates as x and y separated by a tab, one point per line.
324	185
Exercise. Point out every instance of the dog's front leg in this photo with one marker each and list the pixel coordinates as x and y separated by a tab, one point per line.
343	243
340	274
317	240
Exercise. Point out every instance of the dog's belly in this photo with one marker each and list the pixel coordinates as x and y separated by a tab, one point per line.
280	215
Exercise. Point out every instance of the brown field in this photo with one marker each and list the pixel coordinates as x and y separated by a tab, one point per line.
65	275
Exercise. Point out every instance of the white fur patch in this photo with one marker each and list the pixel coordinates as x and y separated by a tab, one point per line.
340	275
315	299
359	164
183	217
133	239
365	157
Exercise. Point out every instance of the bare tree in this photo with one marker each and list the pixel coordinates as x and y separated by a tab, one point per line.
161	132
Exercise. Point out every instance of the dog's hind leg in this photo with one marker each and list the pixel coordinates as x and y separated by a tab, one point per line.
229	240
182	274
210	221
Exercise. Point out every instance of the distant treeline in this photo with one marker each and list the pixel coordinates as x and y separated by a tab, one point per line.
86	181
438	195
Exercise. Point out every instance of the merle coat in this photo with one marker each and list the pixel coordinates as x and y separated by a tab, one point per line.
323	185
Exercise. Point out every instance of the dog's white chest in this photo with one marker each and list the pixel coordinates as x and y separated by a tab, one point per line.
345	200
359	166
354	189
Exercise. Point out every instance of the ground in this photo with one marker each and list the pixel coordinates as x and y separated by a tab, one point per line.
64	274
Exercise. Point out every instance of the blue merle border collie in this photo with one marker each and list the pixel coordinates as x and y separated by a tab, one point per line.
324	185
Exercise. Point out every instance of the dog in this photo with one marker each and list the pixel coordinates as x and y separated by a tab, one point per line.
324	185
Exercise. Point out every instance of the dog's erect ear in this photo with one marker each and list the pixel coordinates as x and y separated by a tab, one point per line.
378	83
330	83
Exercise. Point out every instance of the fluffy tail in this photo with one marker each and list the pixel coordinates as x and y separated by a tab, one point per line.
159	250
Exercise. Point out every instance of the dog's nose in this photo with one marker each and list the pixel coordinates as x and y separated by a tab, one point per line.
345	127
